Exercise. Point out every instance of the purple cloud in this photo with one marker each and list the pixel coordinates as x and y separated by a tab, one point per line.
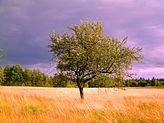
25	25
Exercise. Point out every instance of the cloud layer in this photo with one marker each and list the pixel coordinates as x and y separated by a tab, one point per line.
25	26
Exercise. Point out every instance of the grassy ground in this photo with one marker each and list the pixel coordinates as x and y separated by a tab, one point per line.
63	105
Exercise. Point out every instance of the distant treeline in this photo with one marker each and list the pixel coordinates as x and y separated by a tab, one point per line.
141	82
17	76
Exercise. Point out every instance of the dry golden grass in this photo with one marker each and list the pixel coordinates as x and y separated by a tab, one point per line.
63	105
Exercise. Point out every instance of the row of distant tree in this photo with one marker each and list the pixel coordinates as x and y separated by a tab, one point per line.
141	82
17	76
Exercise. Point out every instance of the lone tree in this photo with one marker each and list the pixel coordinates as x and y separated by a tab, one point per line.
87	51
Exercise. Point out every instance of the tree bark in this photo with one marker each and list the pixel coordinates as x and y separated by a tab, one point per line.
81	92
80	89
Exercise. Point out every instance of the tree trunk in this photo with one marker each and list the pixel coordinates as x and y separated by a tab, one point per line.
80	89
81	92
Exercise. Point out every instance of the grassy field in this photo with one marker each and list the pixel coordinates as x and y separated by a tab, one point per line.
63	105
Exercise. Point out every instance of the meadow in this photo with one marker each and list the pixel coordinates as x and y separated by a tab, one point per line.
63	105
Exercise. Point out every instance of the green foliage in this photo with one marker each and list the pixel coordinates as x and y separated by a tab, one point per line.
8	74
16	75
153	82
142	82
71	84
27	75
131	83
87	50
1	70
46	81
40	79
37	78
2	78
161	82
59	80
13	75
102	80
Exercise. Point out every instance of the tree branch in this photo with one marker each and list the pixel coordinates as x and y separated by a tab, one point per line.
87	79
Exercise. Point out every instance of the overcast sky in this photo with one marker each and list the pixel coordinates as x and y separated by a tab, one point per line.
25	26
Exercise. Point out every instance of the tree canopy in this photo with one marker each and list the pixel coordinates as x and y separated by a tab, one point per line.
88	50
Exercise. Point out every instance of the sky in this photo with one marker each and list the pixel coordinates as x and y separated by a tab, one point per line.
25	26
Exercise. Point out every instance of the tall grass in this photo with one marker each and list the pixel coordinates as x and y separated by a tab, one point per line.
52	105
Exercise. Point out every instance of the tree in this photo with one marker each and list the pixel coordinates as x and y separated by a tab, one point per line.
2	78
1	70
27	76
46	81
17	74
36	77
102	80
7	74
87	51
153	81
142	82
13	75
59	80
